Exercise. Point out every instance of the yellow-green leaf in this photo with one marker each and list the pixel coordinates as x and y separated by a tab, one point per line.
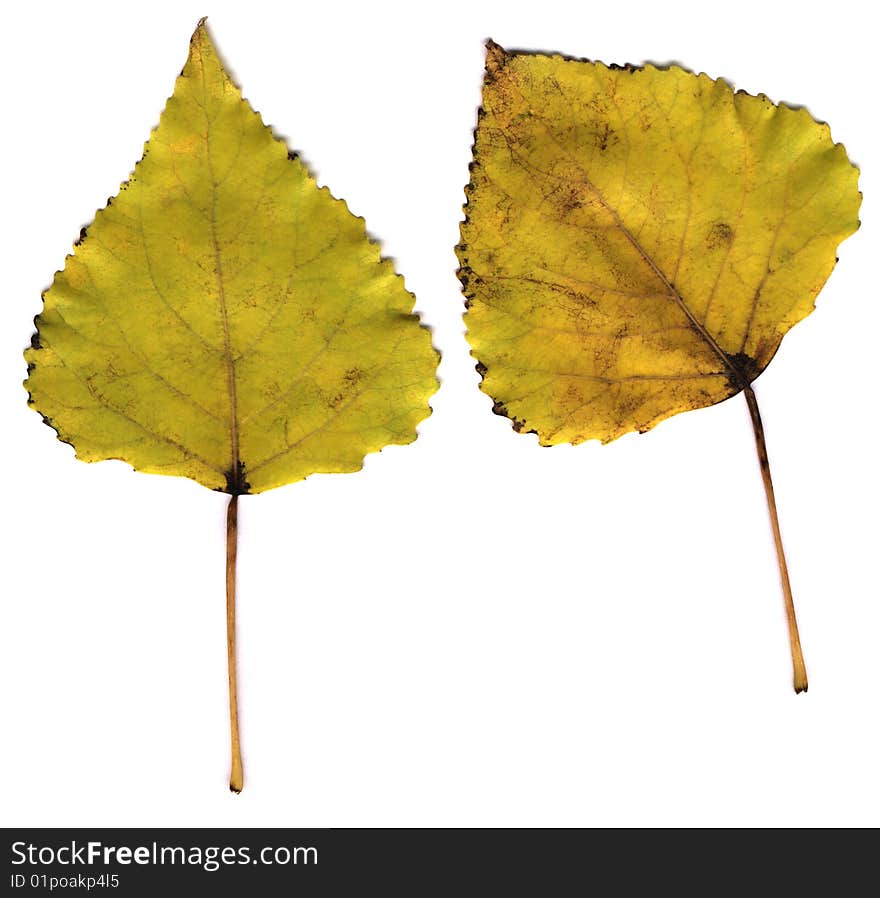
638	240
225	319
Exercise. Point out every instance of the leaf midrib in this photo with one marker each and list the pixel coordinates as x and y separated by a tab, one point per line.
668	286
235	478
737	376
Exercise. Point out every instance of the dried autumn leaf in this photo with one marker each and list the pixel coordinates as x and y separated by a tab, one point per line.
224	319
637	243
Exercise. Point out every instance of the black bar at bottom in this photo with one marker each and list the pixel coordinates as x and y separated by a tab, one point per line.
413	862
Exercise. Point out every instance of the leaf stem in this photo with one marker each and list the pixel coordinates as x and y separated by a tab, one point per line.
797	657
236	776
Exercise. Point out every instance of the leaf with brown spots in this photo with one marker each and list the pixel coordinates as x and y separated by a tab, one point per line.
637	242
224	319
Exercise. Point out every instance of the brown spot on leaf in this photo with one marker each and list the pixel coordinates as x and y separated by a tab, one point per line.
571	200
720	234
350	380
605	136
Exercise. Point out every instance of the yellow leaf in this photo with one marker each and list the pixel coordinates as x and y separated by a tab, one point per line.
638	241
225	319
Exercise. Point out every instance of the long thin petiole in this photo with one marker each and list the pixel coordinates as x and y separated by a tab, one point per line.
236	776
797	656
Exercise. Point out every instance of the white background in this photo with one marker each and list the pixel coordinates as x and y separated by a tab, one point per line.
473	630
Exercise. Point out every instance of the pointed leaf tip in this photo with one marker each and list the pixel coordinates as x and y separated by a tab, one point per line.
200	29
495	55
